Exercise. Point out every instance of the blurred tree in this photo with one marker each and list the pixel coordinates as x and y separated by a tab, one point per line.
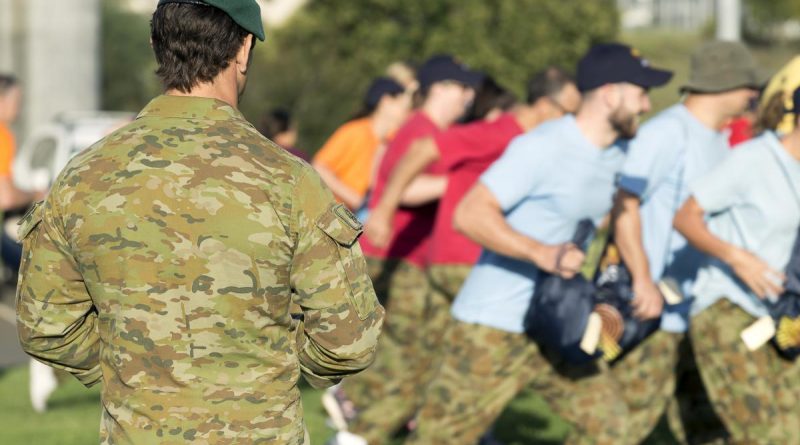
128	66
320	63
762	16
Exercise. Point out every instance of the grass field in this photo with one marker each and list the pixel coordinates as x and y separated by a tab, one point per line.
74	414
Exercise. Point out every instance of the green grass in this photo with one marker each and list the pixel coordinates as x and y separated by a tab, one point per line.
73	417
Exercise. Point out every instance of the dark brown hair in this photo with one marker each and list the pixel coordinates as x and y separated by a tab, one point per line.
275	122
771	114
193	44
7	82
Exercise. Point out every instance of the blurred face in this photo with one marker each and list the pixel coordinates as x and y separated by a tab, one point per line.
629	102
395	108
566	102
287	138
10	105
454	98
736	102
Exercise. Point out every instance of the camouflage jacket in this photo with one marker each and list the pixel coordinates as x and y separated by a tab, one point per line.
164	262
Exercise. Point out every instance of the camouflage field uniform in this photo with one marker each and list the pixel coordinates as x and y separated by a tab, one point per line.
484	368
756	393
163	264
410	350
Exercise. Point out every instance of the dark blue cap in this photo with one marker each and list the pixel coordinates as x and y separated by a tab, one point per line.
445	67
795	102
379	88
616	63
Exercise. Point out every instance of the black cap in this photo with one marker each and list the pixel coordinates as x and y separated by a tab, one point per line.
445	67
615	63
380	87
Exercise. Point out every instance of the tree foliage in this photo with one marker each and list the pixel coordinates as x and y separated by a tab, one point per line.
320	63
128	65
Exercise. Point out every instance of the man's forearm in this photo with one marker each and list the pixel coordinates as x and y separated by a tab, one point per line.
690	222
628	238
348	196
420	155
480	220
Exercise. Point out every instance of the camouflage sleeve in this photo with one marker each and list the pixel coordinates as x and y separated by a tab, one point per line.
56	320
341	314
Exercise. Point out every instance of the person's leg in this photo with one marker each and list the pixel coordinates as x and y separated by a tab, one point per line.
481	371
647	378
587	397
690	415
746	387
393	388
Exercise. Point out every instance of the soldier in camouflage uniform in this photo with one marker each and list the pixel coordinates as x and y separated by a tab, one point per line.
164	261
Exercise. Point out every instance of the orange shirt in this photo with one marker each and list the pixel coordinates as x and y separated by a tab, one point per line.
349	154
6	151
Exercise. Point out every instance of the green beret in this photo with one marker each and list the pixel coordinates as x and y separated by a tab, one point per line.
246	13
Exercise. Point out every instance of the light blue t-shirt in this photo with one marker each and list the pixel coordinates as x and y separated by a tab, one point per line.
546	182
751	199
669	152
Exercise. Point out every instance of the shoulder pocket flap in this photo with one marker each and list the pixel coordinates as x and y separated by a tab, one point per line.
340	224
31	219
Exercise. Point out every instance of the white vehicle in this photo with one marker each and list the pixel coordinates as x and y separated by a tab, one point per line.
48	149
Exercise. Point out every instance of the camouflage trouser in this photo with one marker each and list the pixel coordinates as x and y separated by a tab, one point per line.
647	376
390	391
754	392
484	368
448	278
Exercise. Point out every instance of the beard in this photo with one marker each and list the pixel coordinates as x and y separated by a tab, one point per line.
625	123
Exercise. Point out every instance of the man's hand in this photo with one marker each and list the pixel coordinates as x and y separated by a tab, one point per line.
647	300
564	260
378	227
756	274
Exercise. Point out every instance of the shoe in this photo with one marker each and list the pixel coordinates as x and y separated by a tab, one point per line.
42	383
341	411
345	438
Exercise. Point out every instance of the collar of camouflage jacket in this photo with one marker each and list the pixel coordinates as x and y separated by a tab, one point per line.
190	107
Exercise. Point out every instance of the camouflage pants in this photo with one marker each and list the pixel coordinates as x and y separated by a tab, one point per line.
754	392
647	374
484	368
448	278
390	391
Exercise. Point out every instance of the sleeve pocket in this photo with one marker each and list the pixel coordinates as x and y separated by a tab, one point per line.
29	222
344	229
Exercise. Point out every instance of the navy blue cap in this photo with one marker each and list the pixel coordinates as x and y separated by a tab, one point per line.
616	63
380	87
795	102
445	67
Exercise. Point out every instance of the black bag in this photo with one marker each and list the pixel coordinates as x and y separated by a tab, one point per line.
786	309
559	312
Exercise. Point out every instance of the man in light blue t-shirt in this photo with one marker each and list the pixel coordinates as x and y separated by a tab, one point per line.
524	211
670	152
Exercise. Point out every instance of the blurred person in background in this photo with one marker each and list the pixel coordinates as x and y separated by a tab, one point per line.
491	101
404	74
465	151
347	160
277	125
523	211
777	98
447	88
669	153
745	214
43	380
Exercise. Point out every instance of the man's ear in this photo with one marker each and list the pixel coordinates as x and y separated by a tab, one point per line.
243	56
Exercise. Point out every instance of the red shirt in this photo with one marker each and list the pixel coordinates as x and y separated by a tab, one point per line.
467	151
412	226
741	130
